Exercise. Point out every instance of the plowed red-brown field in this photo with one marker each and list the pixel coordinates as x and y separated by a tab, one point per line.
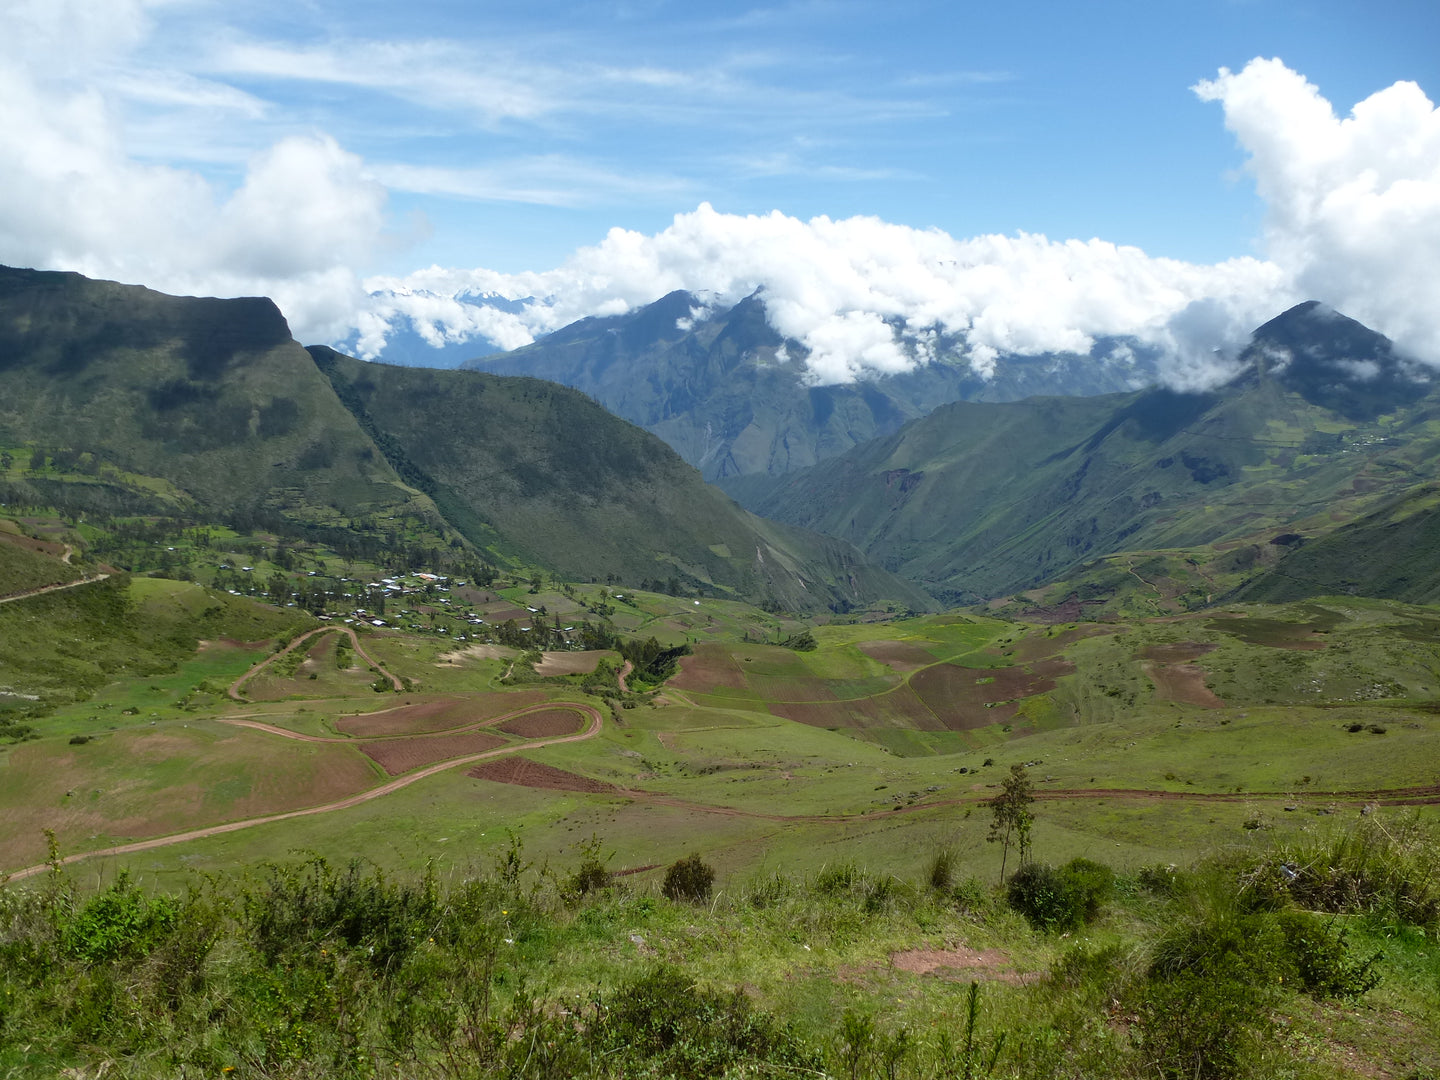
966	698
525	773
707	668
439	714
401	755
899	708
544	725
1184	683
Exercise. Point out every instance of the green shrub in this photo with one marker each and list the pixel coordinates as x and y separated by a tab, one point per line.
1320	960
299	909
688	879
1207	992
971	896
121	923
591	875
1386	868
1062	899
676	1028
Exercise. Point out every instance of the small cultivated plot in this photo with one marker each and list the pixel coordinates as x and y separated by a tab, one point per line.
420	714
397	756
575	663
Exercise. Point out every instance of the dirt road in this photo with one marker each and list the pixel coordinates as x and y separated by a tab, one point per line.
10	598
344	804
286	733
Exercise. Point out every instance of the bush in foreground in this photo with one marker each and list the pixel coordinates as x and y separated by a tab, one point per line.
689	879
1060	899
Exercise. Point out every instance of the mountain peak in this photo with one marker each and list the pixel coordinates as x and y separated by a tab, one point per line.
1333	361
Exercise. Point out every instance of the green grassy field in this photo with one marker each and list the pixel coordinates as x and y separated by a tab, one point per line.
719	763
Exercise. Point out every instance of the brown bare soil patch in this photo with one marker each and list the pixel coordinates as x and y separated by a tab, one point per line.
503	613
571	663
29	543
525	773
900	708
959	964
477	596
1184	683
966	698
1039	646
544	725
709	667
401	755
438	714
1180	652
900	655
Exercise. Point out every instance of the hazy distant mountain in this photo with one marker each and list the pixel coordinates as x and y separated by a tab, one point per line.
235	420
730	395
979	500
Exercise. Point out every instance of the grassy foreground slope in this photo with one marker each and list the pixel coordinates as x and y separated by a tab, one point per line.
571	487
1227	969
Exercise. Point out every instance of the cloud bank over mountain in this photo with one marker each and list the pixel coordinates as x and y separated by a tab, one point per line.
94	166
1353	217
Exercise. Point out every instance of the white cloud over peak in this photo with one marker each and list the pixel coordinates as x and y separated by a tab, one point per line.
1353	203
1353	212
1353	218
865	297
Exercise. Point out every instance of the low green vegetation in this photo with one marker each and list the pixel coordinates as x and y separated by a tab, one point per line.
1243	965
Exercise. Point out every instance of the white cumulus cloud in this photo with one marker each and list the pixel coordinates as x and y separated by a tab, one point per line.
864	296
1353	203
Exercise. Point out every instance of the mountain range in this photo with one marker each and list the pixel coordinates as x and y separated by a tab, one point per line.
733	396
187	406
1324	424
1311	472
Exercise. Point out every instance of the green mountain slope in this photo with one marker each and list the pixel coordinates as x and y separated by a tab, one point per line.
975	501
567	485
208	409
730	394
211	395
1392	553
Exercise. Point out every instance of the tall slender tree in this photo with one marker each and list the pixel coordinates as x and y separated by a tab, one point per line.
1012	817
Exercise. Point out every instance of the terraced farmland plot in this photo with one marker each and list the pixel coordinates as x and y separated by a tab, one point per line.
900	707
396	756
438	714
966	698
710	667
544	725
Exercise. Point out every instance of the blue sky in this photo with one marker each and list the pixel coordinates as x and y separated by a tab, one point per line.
310	147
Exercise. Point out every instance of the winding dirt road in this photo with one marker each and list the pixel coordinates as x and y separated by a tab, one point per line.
344	804
349	740
10	598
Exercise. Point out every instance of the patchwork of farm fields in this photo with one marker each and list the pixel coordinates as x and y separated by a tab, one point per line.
1147	741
